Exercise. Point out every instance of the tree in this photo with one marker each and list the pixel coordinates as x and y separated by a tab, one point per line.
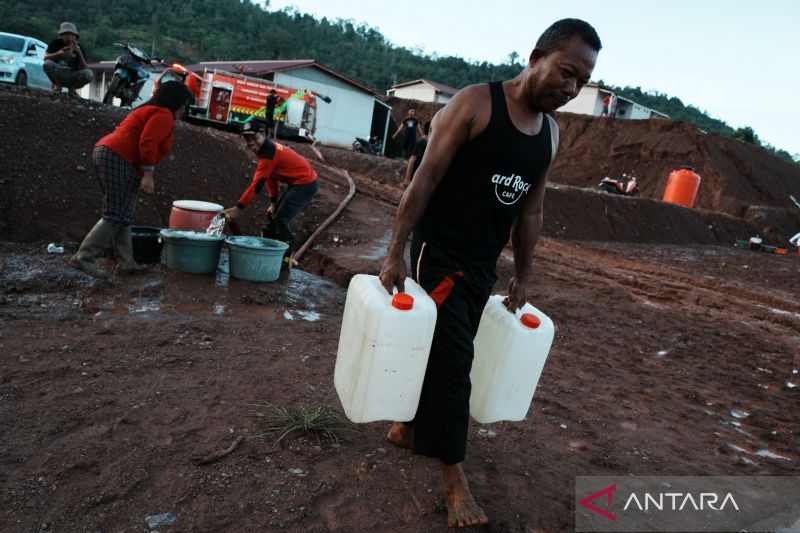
747	135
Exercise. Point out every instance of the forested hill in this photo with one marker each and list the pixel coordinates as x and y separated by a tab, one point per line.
194	30
677	110
209	30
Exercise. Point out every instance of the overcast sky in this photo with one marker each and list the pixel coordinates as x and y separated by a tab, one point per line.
738	60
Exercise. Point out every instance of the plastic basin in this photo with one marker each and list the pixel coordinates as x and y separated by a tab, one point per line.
255	258
192	252
192	214
147	244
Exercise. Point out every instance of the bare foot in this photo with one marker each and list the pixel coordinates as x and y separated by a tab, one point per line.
401	435
462	511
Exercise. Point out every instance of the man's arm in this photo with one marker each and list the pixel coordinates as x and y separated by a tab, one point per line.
460	120
524	235
260	179
53	53
399	129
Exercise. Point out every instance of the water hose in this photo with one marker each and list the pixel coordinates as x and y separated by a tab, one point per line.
328	221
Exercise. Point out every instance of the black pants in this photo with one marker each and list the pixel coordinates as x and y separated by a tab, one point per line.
290	203
460	291
408	144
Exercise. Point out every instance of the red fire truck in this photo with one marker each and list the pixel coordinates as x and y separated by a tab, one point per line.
228	99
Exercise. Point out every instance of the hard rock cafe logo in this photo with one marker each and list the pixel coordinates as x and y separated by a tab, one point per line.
509	189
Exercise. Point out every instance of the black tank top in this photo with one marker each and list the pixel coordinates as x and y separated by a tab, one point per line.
473	209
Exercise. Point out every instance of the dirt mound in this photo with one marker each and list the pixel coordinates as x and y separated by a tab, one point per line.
735	175
54	195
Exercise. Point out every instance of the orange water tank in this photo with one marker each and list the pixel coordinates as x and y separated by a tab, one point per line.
682	186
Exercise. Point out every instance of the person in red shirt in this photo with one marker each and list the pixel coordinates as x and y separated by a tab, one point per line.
277	164
124	164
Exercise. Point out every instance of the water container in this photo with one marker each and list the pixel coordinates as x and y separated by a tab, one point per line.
383	350
510	352
193	252
192	214
255	258
682	186
147	244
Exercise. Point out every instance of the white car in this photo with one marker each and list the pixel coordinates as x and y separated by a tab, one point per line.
22	60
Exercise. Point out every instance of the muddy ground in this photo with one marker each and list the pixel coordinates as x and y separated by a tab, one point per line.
669	358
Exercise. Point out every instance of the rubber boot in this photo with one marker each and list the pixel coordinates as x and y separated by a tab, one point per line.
123	251
92	247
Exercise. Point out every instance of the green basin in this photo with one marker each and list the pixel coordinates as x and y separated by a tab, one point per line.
192	252
255	258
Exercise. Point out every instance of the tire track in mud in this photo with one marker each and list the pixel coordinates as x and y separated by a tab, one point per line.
663	285
649	283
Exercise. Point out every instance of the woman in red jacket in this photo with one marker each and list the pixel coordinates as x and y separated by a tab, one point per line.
124	163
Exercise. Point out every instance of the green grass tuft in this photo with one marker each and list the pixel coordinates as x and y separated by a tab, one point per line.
319	421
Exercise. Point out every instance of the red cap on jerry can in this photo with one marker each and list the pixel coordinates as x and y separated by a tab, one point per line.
403	301
531	321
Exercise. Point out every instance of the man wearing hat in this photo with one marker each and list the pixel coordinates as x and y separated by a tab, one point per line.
277	164
65	61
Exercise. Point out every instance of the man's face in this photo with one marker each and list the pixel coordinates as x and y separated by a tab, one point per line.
69	38
556	78
254	142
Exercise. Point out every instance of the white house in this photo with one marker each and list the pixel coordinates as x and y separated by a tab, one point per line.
423	90
355	109
590	102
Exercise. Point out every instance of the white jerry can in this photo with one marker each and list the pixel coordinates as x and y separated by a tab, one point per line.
383	350
510	352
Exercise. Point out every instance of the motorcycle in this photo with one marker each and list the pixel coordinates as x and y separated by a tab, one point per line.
371	146
626	185
130	74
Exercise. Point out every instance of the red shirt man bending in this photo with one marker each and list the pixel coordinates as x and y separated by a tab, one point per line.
277	164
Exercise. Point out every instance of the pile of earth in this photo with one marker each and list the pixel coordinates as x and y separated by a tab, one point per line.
738	178
38	203
735	175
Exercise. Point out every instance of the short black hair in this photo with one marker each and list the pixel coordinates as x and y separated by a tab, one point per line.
173	95
563	30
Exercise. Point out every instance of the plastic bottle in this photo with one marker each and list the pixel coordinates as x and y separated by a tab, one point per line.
383	350
510	352
53	248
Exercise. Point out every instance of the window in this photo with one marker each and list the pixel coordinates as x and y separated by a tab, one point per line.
11	43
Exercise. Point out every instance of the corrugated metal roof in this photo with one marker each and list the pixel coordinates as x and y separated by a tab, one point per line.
260	68
440	87
257	68
252	68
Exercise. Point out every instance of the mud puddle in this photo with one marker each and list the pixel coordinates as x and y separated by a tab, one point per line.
34	283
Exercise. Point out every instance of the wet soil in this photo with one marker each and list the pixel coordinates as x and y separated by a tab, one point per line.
671	357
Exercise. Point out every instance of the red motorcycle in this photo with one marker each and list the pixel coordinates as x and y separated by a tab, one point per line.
625	186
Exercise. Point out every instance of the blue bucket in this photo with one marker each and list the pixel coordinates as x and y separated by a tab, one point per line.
192	252
255	258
